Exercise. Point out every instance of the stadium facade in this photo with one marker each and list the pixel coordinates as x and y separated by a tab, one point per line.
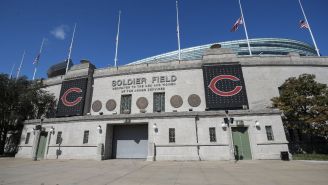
213	105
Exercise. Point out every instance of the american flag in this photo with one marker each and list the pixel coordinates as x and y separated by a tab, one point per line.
236	25
304	24
36	60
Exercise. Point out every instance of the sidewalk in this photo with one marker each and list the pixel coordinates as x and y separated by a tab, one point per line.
127	172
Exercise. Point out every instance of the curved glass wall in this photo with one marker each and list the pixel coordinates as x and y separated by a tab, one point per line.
260	46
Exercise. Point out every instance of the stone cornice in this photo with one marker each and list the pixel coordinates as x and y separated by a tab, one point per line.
245	61
211	57
234	113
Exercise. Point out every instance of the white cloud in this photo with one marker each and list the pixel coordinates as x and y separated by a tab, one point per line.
60	32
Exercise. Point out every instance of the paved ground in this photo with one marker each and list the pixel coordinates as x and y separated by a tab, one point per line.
126	172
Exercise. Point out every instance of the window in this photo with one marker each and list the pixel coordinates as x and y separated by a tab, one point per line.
126	104
159	102
172	135
86	136
212	134
27	139
269	133
59	138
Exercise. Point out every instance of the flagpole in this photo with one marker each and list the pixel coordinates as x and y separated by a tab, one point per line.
178	29
242	15
37	62
12	69
117	37
20	66
35	68
313	40
70	49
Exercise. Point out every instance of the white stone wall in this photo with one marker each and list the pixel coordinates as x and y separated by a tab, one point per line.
72	146
25	150
261	148
185	147
262	82
218	150
54	90
188	82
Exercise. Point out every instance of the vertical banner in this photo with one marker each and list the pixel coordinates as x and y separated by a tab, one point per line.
72	98
224	87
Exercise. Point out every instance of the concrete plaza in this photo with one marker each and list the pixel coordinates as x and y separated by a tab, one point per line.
126	172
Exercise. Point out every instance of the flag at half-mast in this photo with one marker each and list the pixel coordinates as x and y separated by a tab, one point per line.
304	24
236	25
37	59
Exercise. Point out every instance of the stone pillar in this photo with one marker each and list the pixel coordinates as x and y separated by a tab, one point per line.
151	142
100	151
151	151
231	146
100	144
35	144
108	140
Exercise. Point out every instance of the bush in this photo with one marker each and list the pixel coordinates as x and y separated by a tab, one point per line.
319	157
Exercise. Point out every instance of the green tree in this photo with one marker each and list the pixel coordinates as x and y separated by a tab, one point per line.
304	103
20	99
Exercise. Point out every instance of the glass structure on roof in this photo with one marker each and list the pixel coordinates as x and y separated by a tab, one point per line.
259	46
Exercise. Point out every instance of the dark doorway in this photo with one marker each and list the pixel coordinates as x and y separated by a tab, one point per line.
130	141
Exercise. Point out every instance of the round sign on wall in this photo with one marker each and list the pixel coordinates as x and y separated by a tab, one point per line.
194	100
142	103
110	105
96	106
176	101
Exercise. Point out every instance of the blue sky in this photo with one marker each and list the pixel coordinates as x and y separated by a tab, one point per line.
148	27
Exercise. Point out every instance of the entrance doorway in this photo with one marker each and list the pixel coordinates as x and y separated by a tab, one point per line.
42	145
130	141
241	143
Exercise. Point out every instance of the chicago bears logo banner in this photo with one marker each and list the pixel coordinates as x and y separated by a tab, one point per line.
72	97
224	87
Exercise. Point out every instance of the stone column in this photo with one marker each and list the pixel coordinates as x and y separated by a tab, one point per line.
100	144
151	151
100	151
35	144
151	143
231	146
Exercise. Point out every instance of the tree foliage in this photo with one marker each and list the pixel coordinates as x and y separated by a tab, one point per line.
20	99
304	103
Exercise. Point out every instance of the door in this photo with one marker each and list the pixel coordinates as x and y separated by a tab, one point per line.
130	141
42	145
241	143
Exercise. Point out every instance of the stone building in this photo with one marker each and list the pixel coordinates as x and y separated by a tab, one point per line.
217	107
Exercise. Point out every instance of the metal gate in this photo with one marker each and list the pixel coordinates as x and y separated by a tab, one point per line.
130	141
42	145
241	143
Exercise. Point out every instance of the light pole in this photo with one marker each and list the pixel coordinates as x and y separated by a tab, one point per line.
154	145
